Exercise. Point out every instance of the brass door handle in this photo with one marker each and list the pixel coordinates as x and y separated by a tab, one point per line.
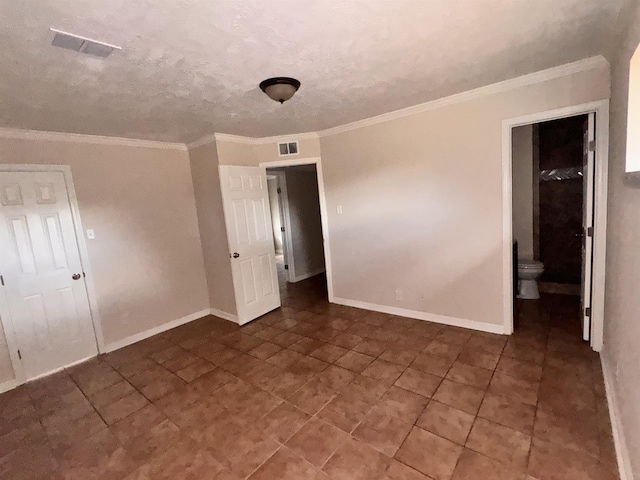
235	255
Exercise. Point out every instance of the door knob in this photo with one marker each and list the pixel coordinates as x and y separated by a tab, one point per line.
236	254
76	276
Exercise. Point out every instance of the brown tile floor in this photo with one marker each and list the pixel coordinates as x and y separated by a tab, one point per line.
320	391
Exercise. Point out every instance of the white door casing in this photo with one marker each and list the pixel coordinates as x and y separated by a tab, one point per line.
599	246
587	223
287	241
245	199
49	311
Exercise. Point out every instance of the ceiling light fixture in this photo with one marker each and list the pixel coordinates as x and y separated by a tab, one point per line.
280	89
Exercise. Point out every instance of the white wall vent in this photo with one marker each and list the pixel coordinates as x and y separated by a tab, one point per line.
81	44
288	148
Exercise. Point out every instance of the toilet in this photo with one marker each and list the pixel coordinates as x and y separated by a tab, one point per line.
528	273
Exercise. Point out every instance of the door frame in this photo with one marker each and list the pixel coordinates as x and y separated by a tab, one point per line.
285	218
601	109
7	322
317	161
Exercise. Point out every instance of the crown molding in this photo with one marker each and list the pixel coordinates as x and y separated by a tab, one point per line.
287	138
19	134
201	141
225	137
583	65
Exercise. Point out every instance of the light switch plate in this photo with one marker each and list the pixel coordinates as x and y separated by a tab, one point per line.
91	234
339	209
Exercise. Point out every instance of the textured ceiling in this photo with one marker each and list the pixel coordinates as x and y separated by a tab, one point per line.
192	67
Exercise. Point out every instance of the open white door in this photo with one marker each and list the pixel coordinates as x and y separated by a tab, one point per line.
42	273
248	219
587	222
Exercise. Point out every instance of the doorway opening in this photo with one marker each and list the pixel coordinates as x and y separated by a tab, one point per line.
553	178
297	233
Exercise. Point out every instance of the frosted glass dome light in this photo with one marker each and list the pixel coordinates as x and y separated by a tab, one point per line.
280	89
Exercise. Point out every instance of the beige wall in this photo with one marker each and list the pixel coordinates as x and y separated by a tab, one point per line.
522	148
250	154
146	258
236	153
422	201
206	184
306	223
622	309
307	148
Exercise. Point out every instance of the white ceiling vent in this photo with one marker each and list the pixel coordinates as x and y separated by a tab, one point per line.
82	44
288	148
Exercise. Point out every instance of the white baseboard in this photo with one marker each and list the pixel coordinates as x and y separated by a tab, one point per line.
224	315
8	385
430	317
110	347
304	276
622	452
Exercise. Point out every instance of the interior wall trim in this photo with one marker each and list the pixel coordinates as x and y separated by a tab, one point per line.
201	141
19	134
110	347
429	317
8	385
224	315
304	276
622	452
583	65
224	137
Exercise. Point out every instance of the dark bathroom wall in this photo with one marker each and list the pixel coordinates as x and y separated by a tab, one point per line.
560	207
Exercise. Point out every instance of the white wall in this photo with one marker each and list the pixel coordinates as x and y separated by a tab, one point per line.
621	351
522	178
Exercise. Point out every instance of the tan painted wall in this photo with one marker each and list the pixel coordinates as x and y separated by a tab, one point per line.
522	148
247	154
306	224
307	148
422	201
622	309
146	258
208	196
236	153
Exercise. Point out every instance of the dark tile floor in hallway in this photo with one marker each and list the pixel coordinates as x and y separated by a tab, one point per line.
315	391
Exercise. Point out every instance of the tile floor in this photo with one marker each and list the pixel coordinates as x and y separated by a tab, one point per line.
315	391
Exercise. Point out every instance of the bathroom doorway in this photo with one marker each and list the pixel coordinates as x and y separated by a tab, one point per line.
553	178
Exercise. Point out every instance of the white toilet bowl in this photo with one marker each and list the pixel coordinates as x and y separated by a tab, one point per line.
528	273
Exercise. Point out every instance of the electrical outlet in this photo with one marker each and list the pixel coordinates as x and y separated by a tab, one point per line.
398	294
91	234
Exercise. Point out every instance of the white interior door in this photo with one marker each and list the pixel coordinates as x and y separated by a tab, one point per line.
587	222
42	273
248	219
